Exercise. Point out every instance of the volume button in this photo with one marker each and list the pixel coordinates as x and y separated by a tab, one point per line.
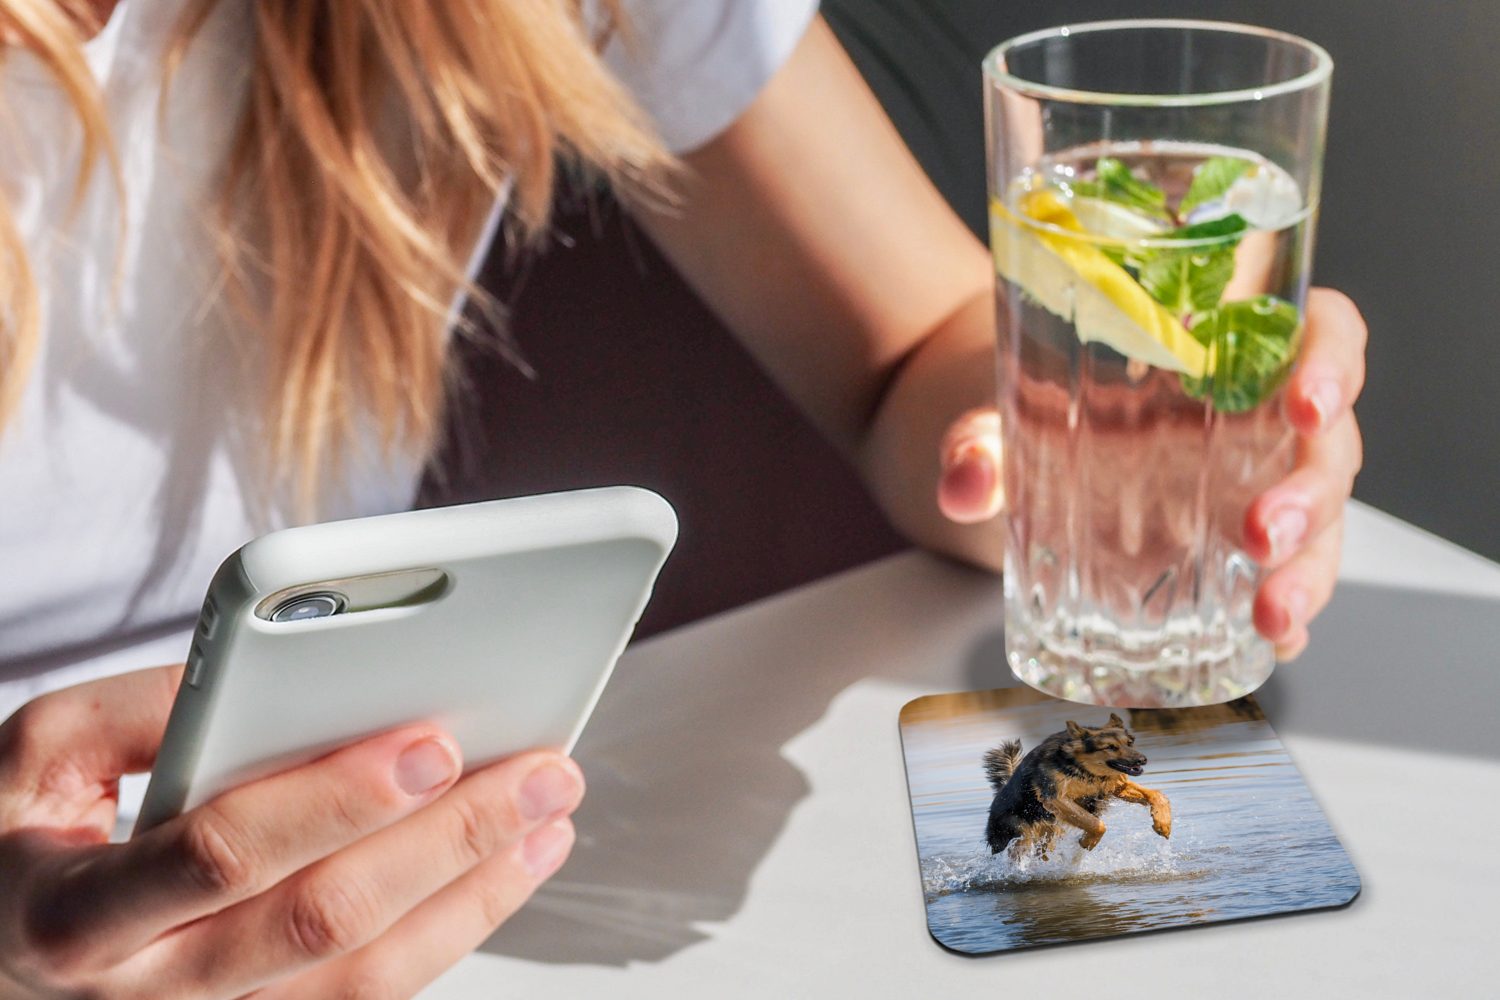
194	673
208	618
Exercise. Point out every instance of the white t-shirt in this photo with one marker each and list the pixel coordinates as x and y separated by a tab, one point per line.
125	477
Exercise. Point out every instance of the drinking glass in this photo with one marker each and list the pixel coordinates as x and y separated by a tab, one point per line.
1153	188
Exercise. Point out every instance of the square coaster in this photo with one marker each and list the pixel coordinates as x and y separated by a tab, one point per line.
1001	829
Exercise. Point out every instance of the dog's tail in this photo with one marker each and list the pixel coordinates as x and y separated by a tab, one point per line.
1001	762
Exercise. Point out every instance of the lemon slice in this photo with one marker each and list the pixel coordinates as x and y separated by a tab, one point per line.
1076	281
1107	219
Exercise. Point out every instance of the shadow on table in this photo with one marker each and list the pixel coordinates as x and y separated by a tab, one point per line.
1396	666
1386	665
688	787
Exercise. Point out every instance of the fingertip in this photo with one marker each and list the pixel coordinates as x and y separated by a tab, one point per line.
1301	414
969	490
974	428
545	849
552	788
1255	531
1277	614
1270	616
1293	645
427	765
531	760
1316	404
403	737
1276	526
569	767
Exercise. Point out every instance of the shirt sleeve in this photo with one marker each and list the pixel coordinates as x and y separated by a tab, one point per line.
695	65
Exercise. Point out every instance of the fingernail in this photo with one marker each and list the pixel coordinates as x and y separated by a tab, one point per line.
971	479
1296	607
977	464
1324	395
1285	531
966	450
549	790
425	765
544	851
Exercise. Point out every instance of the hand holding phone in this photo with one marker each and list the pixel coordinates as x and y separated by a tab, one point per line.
373	862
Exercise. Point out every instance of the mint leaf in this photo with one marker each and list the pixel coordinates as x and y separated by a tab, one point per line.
1229	225
1114	182
1211	179
1250	347
1187	281
1191	280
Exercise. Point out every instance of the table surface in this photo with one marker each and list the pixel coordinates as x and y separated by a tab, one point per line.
747	830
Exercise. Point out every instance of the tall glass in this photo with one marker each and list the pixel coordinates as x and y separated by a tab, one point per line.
1153	187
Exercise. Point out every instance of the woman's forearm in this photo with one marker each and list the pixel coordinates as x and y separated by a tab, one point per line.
811	230
949	373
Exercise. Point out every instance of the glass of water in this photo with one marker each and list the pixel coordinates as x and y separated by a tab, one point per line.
1153	188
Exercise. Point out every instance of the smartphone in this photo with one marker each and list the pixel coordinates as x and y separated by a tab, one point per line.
500	621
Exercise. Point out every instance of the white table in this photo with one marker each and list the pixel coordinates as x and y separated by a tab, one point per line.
747	831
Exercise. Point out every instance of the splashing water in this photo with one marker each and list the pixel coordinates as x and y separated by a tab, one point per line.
1133	855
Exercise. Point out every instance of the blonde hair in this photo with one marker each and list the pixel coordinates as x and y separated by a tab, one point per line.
346	255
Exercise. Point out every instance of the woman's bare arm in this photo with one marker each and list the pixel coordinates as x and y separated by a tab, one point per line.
815	235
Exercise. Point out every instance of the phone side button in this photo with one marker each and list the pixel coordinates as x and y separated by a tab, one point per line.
208	618
194	673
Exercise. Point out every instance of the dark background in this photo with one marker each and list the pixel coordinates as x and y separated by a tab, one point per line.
636	382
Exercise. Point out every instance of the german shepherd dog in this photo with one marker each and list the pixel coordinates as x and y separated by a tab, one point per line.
1070	777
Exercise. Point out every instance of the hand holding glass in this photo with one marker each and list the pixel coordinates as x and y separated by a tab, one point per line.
1153	186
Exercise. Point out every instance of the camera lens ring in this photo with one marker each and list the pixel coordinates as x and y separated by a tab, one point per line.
308	606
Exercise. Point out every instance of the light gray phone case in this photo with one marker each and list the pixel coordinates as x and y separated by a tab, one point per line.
529	604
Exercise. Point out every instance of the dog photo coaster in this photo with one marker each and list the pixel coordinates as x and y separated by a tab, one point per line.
1039	821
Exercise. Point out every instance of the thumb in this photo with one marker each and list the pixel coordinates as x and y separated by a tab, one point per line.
970	488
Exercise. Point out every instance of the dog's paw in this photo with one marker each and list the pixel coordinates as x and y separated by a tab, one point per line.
1161	821
1091	840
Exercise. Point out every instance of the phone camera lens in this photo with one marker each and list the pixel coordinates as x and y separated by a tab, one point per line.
306	606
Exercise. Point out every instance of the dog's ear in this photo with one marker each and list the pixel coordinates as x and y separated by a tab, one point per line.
1114	720
1075	730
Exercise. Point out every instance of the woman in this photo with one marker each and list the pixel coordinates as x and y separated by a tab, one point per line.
175	378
